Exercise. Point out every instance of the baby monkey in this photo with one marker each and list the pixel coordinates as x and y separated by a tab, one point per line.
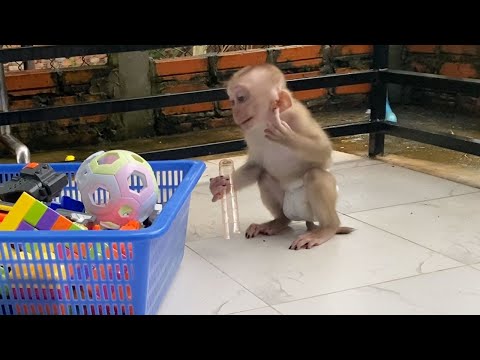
289	155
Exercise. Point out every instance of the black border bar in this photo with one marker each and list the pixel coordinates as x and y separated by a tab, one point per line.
431	81
58	51
443	140
238	145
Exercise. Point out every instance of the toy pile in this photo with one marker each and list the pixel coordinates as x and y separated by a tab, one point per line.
116	190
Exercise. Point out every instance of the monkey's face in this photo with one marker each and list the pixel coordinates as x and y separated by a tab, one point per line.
249	109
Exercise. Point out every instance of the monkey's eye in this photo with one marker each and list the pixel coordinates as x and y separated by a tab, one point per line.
241	98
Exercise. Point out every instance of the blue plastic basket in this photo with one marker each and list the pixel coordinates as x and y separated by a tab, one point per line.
98	272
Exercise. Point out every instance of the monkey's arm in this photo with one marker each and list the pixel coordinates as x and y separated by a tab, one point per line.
246	175
313	146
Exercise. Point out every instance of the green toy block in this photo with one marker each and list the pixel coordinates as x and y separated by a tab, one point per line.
35	213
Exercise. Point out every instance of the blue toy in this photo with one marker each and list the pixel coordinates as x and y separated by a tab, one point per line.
67	203
389	114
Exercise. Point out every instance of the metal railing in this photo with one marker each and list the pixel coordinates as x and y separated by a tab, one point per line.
377	127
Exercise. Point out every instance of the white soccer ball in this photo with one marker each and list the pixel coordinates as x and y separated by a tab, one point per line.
117	186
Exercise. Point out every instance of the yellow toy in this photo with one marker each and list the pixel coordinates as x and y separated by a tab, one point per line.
35	269
30	214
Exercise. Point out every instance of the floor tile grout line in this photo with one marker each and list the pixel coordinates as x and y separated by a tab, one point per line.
409	203
353	288
263	307
376	227
231	278
473	266
351	215
369	285
332	169
410	241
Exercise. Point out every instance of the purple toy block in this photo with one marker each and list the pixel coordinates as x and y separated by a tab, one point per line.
47	220
25	226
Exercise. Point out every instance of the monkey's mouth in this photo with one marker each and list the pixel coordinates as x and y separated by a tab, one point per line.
246	121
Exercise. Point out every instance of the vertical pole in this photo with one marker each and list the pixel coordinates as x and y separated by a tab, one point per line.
29	64
16	146
378	99
3	91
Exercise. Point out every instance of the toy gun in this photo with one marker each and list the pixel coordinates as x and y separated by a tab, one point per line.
38	180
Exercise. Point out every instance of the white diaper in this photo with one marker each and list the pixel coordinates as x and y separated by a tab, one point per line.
295	204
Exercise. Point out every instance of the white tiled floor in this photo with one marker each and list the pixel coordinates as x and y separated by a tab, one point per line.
416	250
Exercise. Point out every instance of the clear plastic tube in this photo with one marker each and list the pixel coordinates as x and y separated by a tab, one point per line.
229	201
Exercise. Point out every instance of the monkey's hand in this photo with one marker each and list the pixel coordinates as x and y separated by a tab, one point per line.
279	131
219	187
310	147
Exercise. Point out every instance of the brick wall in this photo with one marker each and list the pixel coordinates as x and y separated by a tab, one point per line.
38	88
204	72
59	63
41	88
458	61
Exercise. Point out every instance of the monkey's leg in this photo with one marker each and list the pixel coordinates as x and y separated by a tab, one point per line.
320	186
272	197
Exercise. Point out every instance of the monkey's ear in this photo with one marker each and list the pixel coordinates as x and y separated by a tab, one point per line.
284	100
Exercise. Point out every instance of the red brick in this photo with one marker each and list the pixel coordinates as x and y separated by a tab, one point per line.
185	109
458	70
353	89
51	90
239	59
302	75
310	63
93	119
302	52
225	105
182	65
185	77
344	50
29	80
21	104
461	49
63	123
425	49
65	100
310	94
185	87
216	123
80	76
418	67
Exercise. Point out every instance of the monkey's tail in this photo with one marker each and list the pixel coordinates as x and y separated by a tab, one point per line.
345	230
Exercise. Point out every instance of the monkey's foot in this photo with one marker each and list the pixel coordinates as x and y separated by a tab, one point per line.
270	228
341	230
313	238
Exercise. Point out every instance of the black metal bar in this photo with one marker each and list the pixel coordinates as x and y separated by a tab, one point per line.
431	81
30	64
110	106
364	127
194	151
446	141
238	145
159	101
56	51
378	100
333	80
